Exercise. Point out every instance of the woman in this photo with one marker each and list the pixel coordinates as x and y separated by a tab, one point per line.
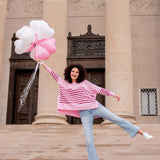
77	98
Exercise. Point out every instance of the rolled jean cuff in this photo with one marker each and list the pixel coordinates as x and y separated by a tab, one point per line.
135	133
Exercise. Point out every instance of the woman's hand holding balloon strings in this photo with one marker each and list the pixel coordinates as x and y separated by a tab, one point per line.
42	63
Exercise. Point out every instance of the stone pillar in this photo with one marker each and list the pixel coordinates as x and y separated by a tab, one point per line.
119	58
55	14
3	6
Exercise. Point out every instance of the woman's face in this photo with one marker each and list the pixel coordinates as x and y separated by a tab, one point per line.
74	74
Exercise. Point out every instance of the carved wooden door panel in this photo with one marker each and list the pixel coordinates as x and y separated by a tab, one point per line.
29	110
97	77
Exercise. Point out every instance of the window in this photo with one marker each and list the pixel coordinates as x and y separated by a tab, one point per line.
149	102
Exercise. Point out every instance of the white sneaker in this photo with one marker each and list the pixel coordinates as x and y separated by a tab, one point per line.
147	136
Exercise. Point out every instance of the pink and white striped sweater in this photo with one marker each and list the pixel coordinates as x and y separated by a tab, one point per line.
77	96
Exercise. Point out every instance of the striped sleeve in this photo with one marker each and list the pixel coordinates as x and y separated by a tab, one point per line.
53	74
106	92
99	90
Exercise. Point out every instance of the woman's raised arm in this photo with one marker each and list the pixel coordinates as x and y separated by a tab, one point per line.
53	74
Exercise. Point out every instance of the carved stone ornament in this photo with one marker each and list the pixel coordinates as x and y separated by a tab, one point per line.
97	7
145	7
24	8
86	7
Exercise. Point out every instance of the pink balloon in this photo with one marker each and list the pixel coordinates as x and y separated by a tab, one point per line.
40	53
49	45
43	49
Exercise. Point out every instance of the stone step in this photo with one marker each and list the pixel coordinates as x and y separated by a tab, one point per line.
67	142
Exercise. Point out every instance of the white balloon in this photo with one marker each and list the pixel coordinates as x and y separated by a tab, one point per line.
19	32
46	33
21	46
26	34
42	29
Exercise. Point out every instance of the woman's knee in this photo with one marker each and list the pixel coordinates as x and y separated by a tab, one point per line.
107	114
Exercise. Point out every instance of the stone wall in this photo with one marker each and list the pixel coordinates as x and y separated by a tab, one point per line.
84	12
145	26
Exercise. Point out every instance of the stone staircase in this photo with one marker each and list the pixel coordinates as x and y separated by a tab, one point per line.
67	142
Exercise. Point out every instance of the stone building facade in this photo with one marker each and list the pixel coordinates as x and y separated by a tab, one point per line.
132	51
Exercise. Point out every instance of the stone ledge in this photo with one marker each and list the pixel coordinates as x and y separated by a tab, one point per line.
67	142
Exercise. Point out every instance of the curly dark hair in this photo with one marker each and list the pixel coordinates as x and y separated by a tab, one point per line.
82	73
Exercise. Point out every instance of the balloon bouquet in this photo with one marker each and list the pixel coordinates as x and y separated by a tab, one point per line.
36	39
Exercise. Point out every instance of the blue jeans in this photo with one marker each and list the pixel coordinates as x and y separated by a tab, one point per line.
87	117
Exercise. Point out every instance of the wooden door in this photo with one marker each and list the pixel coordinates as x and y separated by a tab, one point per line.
29	110
97	77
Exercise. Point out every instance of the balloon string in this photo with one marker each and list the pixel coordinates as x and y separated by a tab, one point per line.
26	90
36	41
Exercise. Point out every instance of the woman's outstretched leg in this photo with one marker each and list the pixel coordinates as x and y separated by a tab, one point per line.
131	129
87	122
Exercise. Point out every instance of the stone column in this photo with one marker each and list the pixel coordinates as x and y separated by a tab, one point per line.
119	57
3	6
55	14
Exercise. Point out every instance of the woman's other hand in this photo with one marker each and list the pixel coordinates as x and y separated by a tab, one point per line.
117	97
